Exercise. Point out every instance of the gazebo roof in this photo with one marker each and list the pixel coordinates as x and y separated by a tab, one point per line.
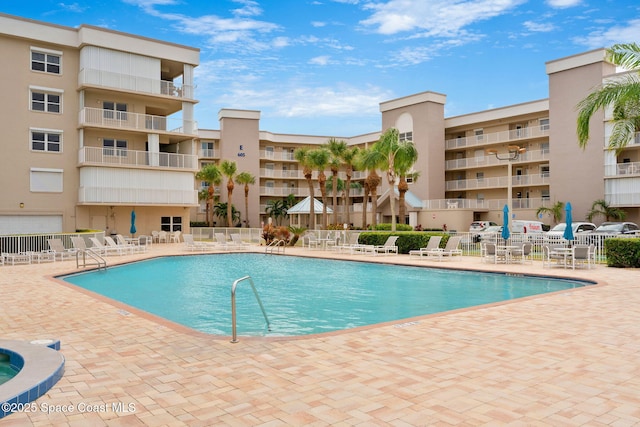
303	206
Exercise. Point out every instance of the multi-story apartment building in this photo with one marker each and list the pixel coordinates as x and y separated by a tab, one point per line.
96	123
89	116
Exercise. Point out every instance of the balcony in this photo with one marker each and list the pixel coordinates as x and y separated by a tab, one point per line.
507	136
273	155
485	161
92	156
485	204
208	153
497	182
137	196
622	170
135	121
126	82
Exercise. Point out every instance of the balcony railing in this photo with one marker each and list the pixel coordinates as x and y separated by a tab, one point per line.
131	158
497	182
208	153
137	196
484	161
486	204
273	155
134	121
285	191
89	76
622	169
497	137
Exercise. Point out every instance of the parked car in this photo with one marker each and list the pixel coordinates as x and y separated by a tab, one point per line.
578	228
480	225
490	234
609	229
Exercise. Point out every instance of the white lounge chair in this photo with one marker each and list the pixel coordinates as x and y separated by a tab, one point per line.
433	243
388	247
450	250
192	245
133	245
310	240
222	242
80	244
351	244
112	244
100	247
61	253
238	243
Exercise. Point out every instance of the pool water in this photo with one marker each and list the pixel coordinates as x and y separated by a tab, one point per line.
300	295
6	371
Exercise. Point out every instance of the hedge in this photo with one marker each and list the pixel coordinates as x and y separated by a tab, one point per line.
623	253
407	240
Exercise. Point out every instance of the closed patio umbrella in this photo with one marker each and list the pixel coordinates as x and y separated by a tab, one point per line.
568	230
505	223
133	230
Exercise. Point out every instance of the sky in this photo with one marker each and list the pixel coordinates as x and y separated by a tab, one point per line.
322	67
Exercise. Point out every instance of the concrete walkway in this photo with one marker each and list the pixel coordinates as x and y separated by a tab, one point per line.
564	359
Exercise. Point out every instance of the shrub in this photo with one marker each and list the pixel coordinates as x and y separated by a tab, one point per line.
407	240
623	253
399	227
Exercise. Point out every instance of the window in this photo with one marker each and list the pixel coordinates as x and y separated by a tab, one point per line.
545	195
207	149
479	133
171	223
45	140
544	171
544	124
405	136
544	147
114	147
114	110
45	180
49	102
480	176
46	61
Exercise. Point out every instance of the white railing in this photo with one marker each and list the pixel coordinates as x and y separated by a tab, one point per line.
484	161
132	158
497	137
137	196
38	242
208	153
89	76
279	173
622	169
485	204
126	120
285	191
497	182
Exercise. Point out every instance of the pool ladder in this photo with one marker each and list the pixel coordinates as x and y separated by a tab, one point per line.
97	259
234	338
275	245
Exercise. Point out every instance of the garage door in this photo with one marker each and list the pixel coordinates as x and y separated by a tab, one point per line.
30	224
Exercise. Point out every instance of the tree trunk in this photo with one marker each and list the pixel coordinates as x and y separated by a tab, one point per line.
246	204
334	184
322	182
229	204
403	187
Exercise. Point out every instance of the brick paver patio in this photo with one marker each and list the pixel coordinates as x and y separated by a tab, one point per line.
569	358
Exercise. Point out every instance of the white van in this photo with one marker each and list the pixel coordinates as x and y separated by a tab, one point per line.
526	227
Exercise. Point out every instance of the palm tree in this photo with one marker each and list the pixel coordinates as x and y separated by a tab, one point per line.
245	178
277	209
301	155
602	208
622	94
222	211
210	174
555	211
398	154
228	169
319	160
349	158
336	149
370	160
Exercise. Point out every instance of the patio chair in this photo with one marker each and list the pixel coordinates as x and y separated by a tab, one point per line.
56	246
450	250
221	241
134	246
175	237
238	243
388	247
581	256
192	245
523	253
310	240
97	245
433	243
489	252
351	244
80	244
112	244
551	257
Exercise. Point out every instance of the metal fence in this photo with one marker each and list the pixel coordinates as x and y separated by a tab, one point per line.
14	244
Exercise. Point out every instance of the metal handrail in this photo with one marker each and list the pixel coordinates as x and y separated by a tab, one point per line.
275	244
233	306
99	261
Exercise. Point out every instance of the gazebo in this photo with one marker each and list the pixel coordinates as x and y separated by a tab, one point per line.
302	211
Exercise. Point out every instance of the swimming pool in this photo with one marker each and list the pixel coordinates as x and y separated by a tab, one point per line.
6	371
301	295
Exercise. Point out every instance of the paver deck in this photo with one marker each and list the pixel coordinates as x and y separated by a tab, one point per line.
569	358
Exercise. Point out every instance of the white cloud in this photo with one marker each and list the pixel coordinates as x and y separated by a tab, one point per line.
627	33
318	24
563	4
72	7
538	27
320	60
440	18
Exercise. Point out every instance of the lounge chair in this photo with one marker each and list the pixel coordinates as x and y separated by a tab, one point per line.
311	240
192	245
100	247
238	243
56	246
112	244
80	244
388	247
351	244
133	245
433	243
221	241
450	250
